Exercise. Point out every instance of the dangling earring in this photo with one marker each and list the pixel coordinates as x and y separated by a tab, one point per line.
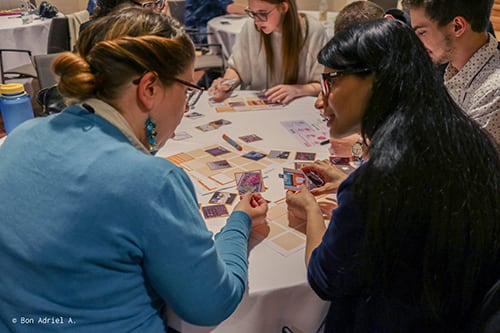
151	135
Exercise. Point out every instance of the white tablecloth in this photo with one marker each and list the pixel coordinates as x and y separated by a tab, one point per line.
224	29
15	35
278	293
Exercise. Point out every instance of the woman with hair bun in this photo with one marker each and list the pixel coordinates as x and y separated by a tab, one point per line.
95	231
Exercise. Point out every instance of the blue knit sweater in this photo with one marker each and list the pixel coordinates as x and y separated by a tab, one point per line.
97	236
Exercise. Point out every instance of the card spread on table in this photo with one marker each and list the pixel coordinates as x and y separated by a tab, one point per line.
217	151
216	165
213	125
193	115
279	154
305	156
214	211
222	198
254	155
250	138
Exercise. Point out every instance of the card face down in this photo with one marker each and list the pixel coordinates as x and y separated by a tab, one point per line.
212	211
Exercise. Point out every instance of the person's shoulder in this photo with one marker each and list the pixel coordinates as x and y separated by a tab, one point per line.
315	26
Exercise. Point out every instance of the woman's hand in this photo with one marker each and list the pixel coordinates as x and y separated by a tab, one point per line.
255	206
299	203
282	93
329	173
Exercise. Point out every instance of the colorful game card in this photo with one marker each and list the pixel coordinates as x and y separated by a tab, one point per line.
292	179
216	165
305	156
219	123
222	198
254	155
214	211
213	125
314	178
279	154
250	181
217	151
250	138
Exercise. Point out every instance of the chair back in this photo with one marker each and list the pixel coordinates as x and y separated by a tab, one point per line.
43	62
58	35
74	21
177	9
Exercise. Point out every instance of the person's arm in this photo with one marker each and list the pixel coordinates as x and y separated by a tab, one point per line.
333	266
235	8
223	87
285	93
200	279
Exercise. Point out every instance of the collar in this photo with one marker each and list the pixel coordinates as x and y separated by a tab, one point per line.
112	115
475	63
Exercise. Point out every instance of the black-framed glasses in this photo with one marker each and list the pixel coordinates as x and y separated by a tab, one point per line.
158	4
258	16
328	79
193	91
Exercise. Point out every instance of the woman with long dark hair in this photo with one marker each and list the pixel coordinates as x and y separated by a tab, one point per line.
414	243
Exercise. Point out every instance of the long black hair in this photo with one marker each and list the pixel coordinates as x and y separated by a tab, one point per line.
431	187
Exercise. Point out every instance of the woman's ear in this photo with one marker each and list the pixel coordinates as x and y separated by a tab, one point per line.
148	88
284	7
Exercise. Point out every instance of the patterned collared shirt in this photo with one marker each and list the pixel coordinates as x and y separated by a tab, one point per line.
476	87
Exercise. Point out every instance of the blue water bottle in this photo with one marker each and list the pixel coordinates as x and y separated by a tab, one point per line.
15	105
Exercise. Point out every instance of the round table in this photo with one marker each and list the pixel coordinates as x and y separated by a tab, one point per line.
16	35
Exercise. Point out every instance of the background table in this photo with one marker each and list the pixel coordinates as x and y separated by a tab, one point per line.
224	29
278	293
15	35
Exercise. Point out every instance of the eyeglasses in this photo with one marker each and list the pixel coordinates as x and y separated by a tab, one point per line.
193	92
328	79
258	16
158	4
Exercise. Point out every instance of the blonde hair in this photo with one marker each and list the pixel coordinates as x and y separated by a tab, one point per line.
124	44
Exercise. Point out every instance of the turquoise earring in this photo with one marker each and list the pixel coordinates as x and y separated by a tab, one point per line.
151	135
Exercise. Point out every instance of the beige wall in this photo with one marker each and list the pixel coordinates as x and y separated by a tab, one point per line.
333	5
68	6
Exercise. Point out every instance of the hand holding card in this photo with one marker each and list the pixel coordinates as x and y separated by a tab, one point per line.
255	206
